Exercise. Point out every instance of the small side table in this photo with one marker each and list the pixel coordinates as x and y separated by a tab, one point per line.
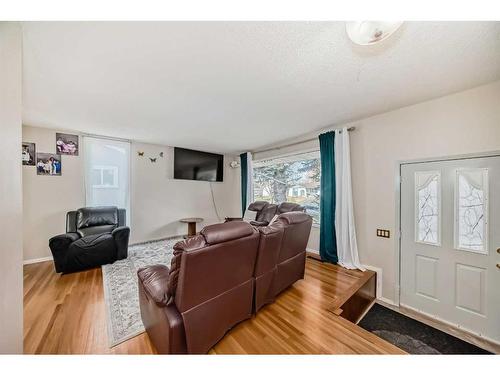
191	222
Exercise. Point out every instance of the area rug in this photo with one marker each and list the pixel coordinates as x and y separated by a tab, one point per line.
413	336
121	293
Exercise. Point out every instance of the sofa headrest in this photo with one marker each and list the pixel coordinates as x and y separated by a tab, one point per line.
294	217
289	206
257	205
223	232
191	243
96	216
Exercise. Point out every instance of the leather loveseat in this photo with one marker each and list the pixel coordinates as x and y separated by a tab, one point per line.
207	290
282	255
94	236
218	279
266	211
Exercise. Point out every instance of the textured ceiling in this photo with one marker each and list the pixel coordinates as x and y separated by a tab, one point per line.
233	86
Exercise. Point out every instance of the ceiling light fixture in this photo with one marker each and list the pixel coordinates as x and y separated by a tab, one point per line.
366	33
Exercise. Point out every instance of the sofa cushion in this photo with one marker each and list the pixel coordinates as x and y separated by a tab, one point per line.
224	232
96	216
267	214
91	251
257	205
289	207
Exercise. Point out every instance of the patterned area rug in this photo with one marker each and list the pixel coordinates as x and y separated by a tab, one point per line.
121	293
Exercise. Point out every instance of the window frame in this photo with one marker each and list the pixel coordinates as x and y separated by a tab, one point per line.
456	218
416	202
101	169
291	155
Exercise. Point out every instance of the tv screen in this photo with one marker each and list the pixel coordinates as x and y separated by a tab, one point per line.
198	165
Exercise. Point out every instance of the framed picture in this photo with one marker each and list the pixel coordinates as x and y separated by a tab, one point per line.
28	153
48	164
67	144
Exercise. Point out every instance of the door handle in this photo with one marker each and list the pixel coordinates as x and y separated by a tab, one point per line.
498	250
498	265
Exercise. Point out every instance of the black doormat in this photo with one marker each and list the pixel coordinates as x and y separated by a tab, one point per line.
413	336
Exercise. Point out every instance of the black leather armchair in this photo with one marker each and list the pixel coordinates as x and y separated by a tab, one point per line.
94	236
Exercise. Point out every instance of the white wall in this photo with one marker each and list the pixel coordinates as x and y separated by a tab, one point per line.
466	122
11	287
46	199
157	201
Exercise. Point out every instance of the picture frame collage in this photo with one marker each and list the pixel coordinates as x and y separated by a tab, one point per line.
46	163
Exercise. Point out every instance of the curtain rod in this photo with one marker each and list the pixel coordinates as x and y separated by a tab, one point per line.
297	143
105	137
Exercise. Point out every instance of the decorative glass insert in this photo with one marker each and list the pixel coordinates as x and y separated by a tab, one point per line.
471	210
428	207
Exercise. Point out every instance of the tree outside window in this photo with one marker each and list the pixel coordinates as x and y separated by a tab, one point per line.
294	178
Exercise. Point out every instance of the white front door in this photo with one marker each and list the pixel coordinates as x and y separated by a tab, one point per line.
450	242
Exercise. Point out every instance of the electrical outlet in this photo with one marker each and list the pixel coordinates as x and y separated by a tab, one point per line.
383	233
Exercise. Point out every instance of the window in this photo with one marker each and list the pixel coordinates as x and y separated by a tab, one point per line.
107	164
471	210
293	178
104	177
428	207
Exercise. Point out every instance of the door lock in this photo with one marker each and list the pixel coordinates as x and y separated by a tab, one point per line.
498	265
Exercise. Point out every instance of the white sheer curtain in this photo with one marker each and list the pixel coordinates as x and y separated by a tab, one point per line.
107	173
249	178
347	247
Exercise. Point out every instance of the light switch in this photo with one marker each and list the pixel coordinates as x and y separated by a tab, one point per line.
385	233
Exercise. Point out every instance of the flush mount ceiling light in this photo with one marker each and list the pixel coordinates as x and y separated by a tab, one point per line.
365	33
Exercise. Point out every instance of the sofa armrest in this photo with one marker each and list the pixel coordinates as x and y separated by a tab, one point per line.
59	246
121	236
154	280
259	223
62	241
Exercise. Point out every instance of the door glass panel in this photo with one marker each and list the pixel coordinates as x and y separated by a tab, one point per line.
471	210
428	207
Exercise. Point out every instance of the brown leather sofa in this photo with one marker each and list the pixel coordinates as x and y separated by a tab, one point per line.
208	289
218	279
281	257
266	211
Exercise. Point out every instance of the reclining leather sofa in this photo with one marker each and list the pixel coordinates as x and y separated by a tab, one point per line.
207	290
94	236
266	211
219	278
282	256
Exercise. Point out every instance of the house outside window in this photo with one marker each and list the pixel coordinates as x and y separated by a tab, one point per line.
293	178
107	173
105	177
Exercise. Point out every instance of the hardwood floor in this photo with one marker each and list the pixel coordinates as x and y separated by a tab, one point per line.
66	314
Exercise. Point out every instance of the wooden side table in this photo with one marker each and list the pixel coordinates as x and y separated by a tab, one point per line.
191	222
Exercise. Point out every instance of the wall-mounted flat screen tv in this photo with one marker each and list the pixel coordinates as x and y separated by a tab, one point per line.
198	165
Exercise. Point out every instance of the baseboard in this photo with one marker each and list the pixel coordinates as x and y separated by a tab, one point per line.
312	251
37	260
386	302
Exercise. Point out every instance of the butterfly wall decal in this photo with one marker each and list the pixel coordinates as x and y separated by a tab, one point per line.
140	153
153	160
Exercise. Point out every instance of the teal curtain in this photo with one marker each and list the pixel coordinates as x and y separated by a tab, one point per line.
244	182
327	235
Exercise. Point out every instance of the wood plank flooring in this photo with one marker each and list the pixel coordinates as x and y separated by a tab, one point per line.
66	314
